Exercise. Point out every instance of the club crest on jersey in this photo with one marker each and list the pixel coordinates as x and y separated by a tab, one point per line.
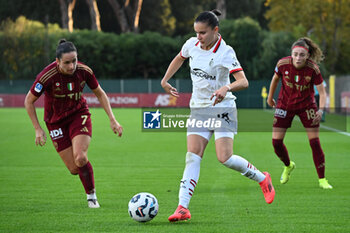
70	86
296	78
308	78
211	62
82	84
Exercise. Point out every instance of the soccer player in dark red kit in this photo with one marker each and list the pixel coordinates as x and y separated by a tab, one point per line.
67	116
299	73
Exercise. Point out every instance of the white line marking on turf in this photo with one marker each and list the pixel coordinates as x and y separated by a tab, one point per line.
334	130
321	126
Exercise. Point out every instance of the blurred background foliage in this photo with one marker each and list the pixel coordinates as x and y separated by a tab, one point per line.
138	39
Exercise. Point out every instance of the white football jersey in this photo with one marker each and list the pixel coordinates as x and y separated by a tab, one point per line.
210	70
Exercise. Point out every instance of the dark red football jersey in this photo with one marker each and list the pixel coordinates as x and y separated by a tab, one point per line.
297	90
63	93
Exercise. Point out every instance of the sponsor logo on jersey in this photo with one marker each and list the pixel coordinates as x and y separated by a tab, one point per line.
202	74
85	129
235	64
289	84
38	87
280	113
56	134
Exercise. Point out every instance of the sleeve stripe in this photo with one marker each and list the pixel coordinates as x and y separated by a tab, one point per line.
236	70
84	67
182	56
48	75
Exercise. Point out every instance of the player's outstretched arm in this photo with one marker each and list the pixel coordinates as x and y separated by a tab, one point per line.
103	99
174	66
273	85
40	136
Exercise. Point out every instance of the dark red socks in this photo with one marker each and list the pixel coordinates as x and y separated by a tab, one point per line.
318	156
86	175
281	151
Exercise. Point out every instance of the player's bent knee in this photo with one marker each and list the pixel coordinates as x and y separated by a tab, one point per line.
80	160
192	158
224	157
195	150
74	172
277	143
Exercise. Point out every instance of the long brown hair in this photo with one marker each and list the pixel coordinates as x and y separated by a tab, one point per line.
315	52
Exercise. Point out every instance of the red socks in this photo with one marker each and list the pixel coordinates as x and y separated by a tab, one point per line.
318	156
281	151
86	175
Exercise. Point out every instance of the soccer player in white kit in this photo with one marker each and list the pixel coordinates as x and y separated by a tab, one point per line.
211	62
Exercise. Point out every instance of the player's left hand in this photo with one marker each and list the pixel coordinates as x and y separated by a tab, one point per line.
219	94
117	128
318	117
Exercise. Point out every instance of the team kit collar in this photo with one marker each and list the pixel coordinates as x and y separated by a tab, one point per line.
216	46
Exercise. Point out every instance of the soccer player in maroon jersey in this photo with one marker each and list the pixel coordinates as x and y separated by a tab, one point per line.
67	116
299	73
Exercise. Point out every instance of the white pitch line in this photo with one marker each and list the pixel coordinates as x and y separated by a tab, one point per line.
335	130
322	126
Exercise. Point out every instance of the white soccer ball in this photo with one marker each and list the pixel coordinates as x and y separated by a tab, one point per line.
143	207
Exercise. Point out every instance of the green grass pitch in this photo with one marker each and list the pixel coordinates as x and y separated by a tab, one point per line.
38	194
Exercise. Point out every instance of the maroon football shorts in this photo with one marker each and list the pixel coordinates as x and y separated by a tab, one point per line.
283	118
63	132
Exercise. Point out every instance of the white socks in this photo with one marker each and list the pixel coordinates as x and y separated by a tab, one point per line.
241	165
189	178
91	196
191	174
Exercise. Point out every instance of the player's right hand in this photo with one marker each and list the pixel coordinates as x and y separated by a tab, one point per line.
170	89
271	103
40	137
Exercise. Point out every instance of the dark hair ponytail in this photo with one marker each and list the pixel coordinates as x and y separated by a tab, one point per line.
64	46
209	17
